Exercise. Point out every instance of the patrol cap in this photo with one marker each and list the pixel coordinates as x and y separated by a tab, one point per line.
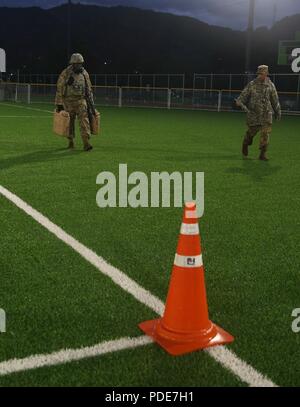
263	69
76	59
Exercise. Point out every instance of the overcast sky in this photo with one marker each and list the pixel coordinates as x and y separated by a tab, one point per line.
229	13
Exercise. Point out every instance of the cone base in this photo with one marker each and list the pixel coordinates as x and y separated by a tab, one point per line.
179	347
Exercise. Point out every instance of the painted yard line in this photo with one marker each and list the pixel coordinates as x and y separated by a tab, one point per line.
70	355
224	356
27	108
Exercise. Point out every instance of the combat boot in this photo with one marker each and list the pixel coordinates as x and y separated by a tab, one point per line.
245	149
71	144
262	155
87	147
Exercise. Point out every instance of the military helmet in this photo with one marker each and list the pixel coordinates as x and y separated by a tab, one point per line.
263	69
76	59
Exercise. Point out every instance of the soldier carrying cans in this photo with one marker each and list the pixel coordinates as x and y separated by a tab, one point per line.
259	100
73	86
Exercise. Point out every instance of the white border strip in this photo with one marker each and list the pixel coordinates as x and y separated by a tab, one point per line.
225	357
191	214
189	229
188	261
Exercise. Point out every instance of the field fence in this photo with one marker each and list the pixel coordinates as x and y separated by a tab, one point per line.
169	98
285	82
154	80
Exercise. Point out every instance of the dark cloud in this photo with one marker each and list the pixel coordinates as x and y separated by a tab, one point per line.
230	13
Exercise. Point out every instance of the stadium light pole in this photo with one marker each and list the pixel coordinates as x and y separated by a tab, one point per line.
69	29
249	35
275	12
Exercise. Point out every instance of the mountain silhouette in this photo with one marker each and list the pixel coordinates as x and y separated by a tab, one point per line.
128	40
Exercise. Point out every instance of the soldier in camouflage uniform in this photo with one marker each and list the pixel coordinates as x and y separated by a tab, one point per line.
259	100
72	85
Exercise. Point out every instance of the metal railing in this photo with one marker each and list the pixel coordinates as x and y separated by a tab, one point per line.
168	98
114	79
285	82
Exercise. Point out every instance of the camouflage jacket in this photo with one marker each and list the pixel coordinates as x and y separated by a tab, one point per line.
73	92
259	100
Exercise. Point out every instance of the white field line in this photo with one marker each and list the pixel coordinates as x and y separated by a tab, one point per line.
239	368
25	117
70	355
222	355
118	277
27	107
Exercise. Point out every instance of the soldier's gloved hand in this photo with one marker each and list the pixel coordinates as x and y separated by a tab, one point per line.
241	105
245	109
278	117
59	108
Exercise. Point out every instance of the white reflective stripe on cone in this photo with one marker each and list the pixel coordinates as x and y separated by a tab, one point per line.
189	229
191	214
188	261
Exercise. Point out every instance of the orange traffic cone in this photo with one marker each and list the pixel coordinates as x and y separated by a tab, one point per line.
185	325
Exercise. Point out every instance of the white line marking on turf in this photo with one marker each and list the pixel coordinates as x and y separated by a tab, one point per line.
27	107
70	355
239	368
118	277
225	357
25	117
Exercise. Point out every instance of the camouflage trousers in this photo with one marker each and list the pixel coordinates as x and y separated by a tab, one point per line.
265	132
78	108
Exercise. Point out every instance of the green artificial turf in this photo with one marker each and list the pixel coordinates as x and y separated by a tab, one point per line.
250	239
